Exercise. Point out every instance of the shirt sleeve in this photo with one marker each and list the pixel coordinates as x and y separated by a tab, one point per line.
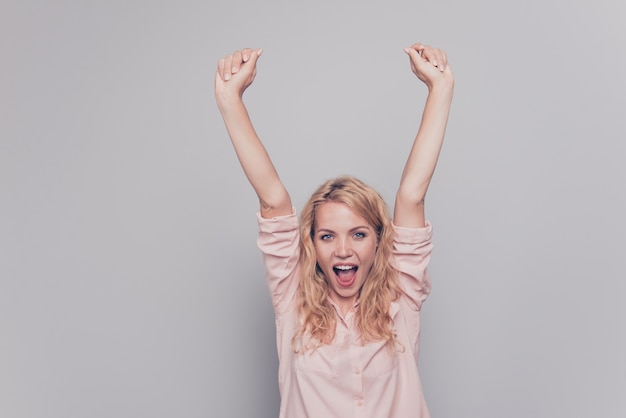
412	249
278	241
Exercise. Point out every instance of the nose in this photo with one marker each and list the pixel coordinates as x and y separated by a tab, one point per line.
343	248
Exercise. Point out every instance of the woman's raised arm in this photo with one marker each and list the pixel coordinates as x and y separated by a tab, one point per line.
235	73
430	65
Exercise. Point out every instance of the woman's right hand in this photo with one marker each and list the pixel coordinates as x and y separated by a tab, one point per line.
235	72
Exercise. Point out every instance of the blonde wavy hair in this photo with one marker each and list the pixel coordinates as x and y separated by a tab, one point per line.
318	320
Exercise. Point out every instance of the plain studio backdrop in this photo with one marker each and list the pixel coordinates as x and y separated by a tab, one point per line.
130	280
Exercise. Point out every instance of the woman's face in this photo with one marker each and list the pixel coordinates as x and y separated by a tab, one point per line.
345	244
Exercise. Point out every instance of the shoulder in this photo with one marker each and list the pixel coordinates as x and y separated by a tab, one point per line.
278	235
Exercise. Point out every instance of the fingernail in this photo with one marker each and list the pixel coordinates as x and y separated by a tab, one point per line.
259	52
227	76
235	69
406	50
245	57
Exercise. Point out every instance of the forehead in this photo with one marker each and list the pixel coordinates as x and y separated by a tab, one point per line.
336	216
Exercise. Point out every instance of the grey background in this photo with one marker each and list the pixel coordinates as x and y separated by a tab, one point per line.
130	281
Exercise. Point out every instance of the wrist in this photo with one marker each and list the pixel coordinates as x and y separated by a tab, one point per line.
228	100
443	87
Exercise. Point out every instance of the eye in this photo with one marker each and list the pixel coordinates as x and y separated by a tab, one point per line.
359	235
325	237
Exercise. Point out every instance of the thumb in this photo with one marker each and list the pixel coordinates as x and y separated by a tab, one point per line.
414	55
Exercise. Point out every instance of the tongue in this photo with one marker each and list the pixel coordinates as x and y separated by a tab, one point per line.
346	277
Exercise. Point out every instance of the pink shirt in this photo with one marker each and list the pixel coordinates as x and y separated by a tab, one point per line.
347	379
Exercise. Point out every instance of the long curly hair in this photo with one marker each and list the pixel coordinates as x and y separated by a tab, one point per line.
373	320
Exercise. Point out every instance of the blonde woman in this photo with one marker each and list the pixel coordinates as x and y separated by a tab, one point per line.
347	282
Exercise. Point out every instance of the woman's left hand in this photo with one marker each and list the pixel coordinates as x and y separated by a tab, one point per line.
430	65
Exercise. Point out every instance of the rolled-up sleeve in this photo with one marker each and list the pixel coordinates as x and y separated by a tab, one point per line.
278	240
412	249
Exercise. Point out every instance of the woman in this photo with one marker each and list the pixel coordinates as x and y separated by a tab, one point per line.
347	283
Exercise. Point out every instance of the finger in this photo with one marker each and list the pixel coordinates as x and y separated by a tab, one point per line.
444	58
419	48
228	65
237	60
245	54
414	53
254	56
427	54
415	59
439	58
434	56
220	68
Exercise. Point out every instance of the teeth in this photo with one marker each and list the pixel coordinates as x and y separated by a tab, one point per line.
344	267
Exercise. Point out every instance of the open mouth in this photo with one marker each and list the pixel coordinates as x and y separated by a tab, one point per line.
345	273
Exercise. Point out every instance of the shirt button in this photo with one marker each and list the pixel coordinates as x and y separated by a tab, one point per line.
357	371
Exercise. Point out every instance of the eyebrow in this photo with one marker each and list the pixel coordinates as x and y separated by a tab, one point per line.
351	230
